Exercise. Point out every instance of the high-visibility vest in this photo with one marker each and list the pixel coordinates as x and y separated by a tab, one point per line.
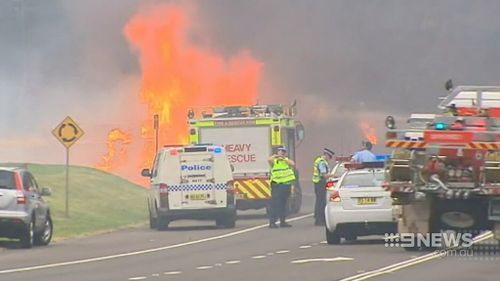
316	175
281	172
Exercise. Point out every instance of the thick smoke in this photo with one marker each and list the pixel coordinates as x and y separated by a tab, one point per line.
344	61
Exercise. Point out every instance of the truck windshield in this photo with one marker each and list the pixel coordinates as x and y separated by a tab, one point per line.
7	180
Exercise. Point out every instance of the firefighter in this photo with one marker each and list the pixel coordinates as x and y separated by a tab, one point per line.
282	177
365	155
321	172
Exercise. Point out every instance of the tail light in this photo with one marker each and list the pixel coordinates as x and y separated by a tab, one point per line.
329	185
334	196
21	197
163	190
391	135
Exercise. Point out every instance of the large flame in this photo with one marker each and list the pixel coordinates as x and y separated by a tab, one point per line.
368	132
178	75
117	150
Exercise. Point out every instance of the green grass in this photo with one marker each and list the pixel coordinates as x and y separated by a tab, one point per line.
98	201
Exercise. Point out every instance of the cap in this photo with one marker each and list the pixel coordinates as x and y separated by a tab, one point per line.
328	152
282	148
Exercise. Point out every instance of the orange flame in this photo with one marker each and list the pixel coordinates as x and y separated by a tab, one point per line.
117	142
369	132
178	75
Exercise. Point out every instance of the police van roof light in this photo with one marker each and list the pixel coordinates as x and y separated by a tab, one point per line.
217	150
440	126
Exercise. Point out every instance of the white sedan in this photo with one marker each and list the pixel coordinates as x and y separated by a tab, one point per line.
359	206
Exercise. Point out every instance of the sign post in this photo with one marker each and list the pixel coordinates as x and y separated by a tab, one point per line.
156	125
67	133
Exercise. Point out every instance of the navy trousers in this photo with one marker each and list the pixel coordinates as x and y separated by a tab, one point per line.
279	200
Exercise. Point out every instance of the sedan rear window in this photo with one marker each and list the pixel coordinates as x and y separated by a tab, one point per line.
7	180
363	180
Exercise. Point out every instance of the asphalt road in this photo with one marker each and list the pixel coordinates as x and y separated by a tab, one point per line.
193	250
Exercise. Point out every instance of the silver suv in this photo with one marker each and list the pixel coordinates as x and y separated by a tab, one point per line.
23	212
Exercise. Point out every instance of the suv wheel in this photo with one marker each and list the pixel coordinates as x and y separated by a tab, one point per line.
27	234
332	238
43	238
162	223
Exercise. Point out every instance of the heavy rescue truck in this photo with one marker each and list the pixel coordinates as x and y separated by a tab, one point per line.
250	134
445	168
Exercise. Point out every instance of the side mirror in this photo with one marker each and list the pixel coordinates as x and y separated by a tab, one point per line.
46	191
146	173
390	123
300	132
232	168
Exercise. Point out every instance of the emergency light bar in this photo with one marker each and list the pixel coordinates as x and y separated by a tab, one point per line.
364	165
343	158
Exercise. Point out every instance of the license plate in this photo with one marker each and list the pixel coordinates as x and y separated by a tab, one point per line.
198	196
367	201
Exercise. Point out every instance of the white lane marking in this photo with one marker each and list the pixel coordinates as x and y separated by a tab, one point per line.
282	252
270	254
233	262
137	278
218	264
259	257
305	247
322	242
410	262
155	275
142	252
321	260
204	267
172	272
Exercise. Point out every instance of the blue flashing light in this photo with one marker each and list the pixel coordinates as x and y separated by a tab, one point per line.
217	150
382	157
440	126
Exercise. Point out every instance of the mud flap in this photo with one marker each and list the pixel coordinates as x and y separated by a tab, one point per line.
415	217
496	230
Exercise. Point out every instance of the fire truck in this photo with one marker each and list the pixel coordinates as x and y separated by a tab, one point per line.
249	135
444	169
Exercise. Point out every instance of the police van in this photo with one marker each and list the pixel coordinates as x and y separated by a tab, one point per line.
191	182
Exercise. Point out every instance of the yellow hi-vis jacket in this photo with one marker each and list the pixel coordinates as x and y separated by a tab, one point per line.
316	175
281	172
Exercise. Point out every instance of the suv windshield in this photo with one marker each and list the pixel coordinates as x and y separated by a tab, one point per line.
7	180
363	180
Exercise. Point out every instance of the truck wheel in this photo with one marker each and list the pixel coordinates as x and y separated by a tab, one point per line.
26	239
43	238
351	238
162	223
295	200
332	238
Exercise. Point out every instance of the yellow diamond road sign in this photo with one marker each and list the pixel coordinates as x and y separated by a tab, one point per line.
67	132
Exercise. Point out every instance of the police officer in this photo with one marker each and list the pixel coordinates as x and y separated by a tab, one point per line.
364	155
282	177
321	172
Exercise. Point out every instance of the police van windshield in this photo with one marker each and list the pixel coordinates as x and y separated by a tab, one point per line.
373	179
